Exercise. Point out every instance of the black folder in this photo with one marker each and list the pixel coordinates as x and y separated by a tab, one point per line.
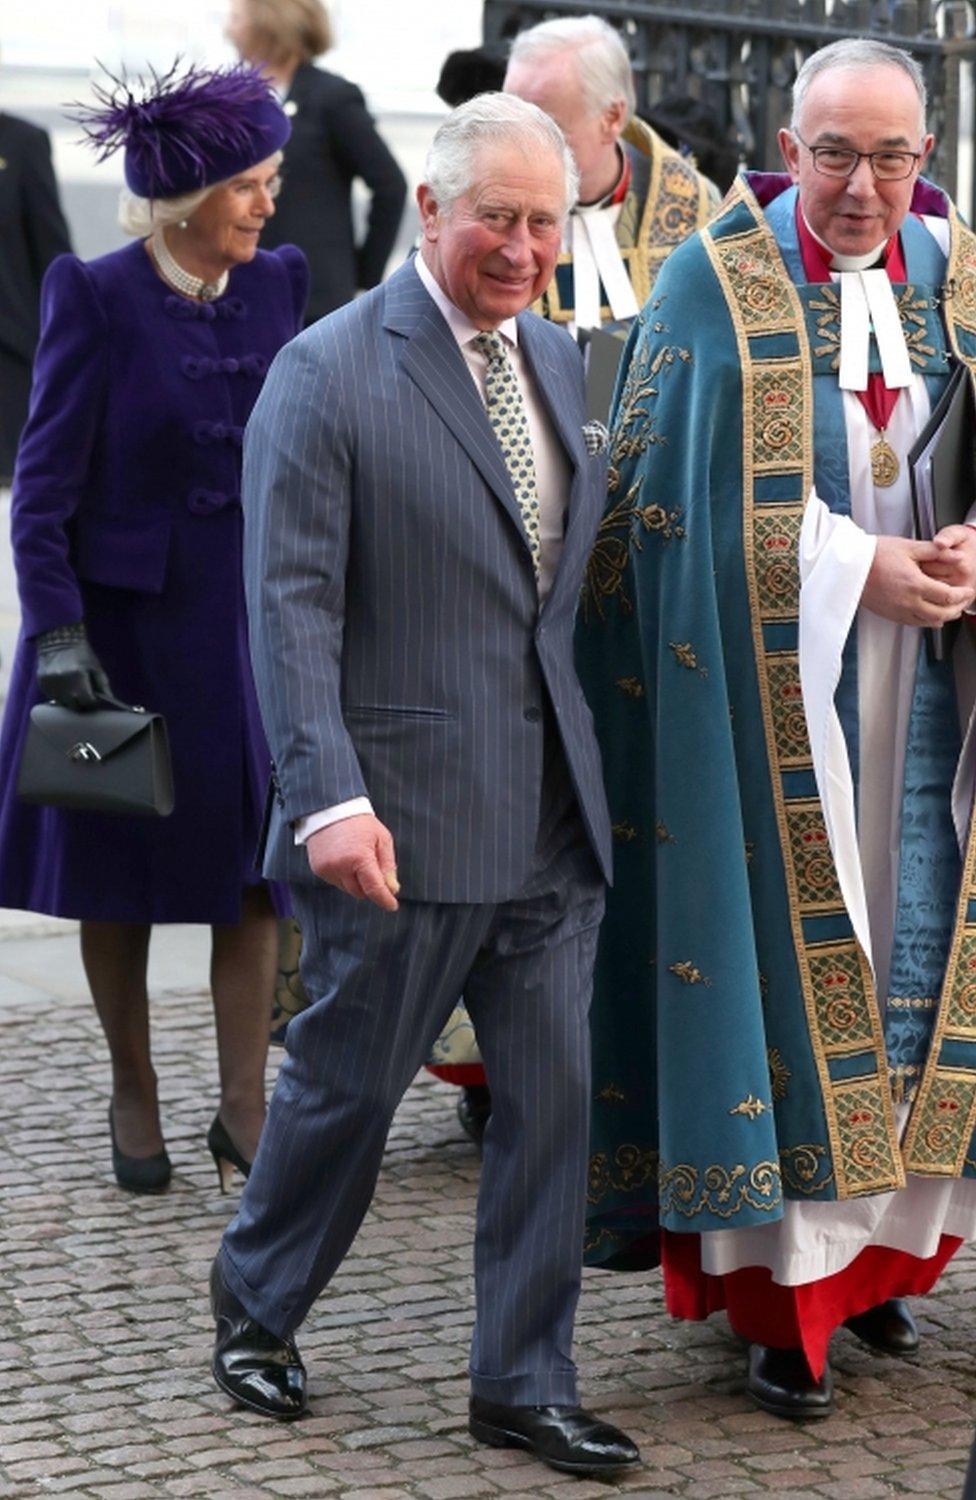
942	474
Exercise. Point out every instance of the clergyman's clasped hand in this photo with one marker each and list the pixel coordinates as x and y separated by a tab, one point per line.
923	583
358	856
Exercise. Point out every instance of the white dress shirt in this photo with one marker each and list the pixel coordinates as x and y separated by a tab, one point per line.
552	477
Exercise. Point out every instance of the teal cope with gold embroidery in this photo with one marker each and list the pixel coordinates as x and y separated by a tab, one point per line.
714	1102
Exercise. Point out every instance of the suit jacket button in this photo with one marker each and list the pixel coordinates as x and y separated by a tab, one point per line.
533	715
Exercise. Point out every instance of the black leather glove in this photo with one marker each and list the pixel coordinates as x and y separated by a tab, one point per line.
68	671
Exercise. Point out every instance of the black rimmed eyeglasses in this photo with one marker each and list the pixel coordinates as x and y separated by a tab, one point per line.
842	161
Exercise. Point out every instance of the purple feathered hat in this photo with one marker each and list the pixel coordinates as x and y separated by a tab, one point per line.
184	131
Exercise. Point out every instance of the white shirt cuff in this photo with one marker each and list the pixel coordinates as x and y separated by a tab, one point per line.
356	807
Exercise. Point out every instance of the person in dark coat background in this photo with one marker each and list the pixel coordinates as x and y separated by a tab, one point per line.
32	234
127	533
333	142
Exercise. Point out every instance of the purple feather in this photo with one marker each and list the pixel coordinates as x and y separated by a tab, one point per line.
188	119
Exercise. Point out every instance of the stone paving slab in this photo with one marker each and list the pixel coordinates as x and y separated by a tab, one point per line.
105	1334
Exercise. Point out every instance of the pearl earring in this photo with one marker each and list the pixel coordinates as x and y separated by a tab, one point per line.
182	224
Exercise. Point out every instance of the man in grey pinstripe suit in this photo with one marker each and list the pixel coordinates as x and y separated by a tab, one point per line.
420	503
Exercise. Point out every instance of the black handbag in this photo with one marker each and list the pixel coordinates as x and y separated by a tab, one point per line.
113	758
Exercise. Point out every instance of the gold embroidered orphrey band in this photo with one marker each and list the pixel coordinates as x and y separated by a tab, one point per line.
837	985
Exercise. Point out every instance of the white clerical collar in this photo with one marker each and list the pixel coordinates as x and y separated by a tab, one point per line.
867	262
458	322
839	262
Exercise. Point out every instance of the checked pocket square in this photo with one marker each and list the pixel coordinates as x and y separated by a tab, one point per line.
595	436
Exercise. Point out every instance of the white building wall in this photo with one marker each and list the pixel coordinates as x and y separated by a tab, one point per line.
393	49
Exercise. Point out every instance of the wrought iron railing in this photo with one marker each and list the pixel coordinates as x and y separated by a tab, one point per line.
738	58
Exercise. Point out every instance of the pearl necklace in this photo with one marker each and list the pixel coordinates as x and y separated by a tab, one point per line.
182	281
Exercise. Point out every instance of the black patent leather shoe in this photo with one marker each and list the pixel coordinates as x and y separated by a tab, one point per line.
889	1327
255	1367
474	1112
780	1382
564	1437
139	1174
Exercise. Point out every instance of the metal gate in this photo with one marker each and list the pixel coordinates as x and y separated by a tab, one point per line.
739	59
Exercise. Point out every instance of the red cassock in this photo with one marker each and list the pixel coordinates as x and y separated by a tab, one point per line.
794	1317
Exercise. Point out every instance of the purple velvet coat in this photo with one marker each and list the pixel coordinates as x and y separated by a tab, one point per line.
126	513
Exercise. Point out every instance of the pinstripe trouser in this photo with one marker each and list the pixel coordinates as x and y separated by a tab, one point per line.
384	984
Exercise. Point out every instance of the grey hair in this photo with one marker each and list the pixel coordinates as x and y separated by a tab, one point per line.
489	120
601	57
856	52
140	216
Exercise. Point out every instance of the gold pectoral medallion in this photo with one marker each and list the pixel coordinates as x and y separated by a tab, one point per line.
885	467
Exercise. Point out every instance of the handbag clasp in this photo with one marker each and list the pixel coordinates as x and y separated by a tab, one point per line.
83	751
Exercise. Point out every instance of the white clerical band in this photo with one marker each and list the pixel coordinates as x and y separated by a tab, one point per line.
596	258
888	331
855	325
866	298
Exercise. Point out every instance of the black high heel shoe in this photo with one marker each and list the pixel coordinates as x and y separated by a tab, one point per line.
225	1154
139	1174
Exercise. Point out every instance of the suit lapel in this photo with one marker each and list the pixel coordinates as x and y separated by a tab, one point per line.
552	385
433	361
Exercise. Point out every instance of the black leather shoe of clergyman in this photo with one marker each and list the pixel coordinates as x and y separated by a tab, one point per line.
474	1111
255	1367
889	1327
780	1382
564	1437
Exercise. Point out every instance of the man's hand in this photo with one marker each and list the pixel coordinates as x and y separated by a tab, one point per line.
900	586
956	563
357	855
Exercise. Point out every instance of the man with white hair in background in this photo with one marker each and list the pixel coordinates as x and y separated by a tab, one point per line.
421	497
638	197
784	1013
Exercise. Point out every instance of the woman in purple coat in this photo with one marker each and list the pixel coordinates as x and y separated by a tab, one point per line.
126	529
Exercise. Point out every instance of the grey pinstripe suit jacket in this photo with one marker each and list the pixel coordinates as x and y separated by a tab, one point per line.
398	645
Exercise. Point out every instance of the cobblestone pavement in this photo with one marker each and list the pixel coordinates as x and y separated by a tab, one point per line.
105	1338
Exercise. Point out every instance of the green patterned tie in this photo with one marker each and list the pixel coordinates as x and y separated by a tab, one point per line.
508	417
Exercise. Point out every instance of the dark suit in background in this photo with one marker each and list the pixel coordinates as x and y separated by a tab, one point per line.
333	142
32	233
